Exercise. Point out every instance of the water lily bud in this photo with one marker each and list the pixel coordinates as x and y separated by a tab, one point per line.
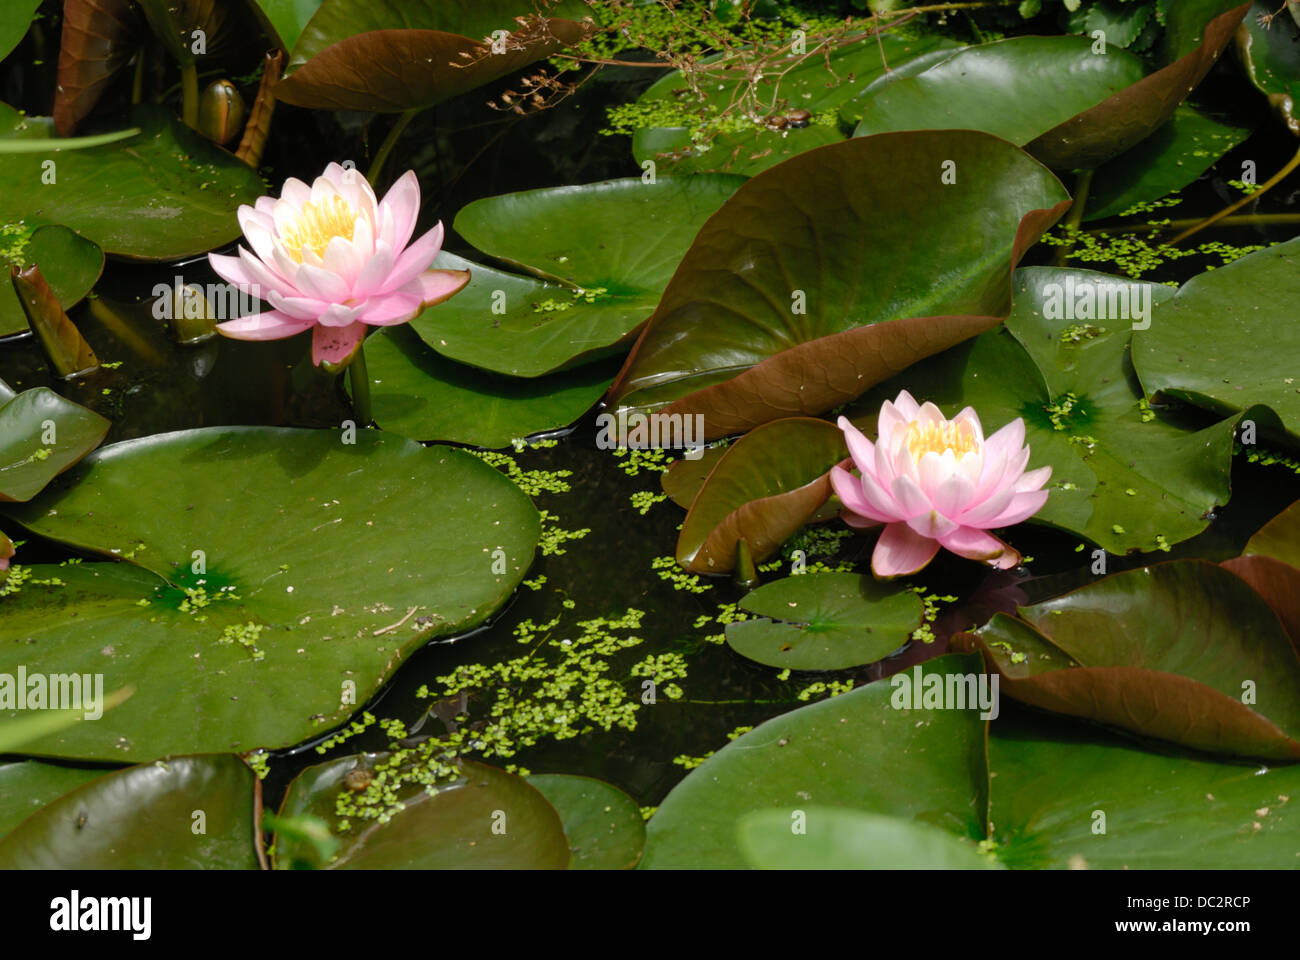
221	112
192	319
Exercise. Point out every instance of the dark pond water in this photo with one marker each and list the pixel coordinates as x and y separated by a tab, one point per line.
161	386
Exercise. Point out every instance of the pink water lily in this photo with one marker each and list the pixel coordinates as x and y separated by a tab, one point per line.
937	483
333	259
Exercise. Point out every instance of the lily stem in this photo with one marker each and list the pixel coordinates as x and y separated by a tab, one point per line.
1074	216
377	164
1245	220
359	379
1234	207
190	95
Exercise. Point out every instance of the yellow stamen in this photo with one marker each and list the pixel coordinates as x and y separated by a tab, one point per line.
318	225
936	438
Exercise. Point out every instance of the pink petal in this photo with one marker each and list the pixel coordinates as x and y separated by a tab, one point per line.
414	260
390	309
1022	507
986	513
335	344
1033	479
231	270
900	551
952	495
267	325
849	489
910	497
439	285
300	308
320	284
932	525
402	203
343	260
857	522
862	450
977	545
339	315
375	271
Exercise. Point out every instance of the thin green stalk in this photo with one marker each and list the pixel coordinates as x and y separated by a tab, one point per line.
1074	216
1244	220
1234	207
377	165
190	95
359	379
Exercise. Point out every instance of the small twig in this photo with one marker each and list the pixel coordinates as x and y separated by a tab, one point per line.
394	626
1233	207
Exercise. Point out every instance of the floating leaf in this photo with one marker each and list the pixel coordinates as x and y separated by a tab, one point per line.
1018	89
394	55
489	819
1163	651
98	41
1271	564
762	490
279	578
1203	346
144	818
747	145
854	234
604	826
1270	54
27	786
1124	476
70	264
286	18
1055	779
162	195
612	246
825	621
1165	162
424	396
41	435
830	754
66	350
18	17
836	839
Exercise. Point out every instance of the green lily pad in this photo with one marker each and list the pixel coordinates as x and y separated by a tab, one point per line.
604	826
41	435
1181	651
164	194
762	490
854	235
1123	476
1270	55
27	786
179	813
1018	89
830	754
286	18
1165	162
70	264
487	819
600	254
851	111
13	27
1204	344
837	839
419	394
393	55
825	621
1054	780
279	577
747	146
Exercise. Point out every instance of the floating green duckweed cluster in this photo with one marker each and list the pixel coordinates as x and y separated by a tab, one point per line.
1139	253
930	612
666	568
531	482
643	500
246	635
14	238
554	536
636	459
824	688
259	761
